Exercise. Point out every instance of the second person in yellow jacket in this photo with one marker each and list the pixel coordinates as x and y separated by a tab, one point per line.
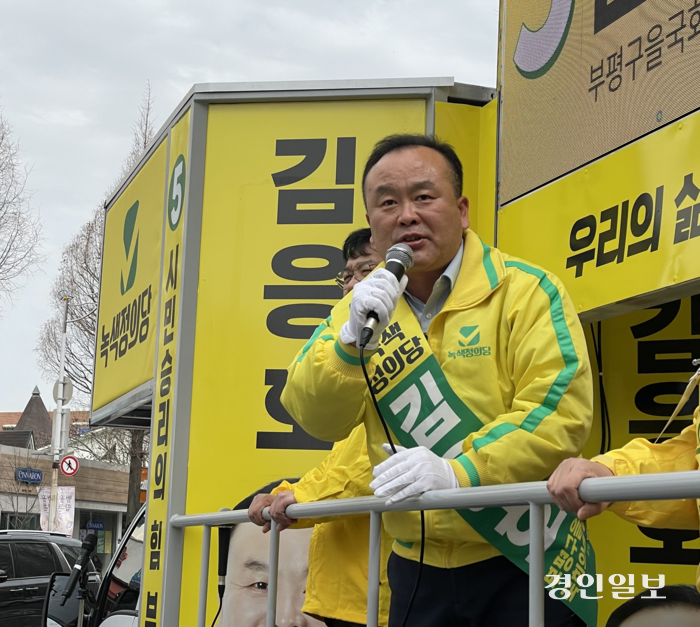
638	457
336	587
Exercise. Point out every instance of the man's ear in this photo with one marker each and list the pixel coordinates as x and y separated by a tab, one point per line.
371	237
463	205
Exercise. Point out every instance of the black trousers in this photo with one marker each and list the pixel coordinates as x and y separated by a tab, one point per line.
492	593
334	622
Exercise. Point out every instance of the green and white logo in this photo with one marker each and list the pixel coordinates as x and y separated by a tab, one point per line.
537	50
471	336
176	197
131	252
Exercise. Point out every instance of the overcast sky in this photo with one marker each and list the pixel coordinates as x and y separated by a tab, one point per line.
72	74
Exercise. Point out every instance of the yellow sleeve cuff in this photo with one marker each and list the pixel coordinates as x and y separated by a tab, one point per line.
346	358
285	486
614	465
460	473
297	488
471	470
301	495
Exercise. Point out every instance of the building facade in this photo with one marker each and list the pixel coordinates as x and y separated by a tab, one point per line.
100	495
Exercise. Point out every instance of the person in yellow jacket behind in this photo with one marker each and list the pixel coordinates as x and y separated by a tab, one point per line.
480	369
640	456
336	587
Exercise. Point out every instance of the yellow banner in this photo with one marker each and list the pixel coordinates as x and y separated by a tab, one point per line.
488	144
126	325
626	225
472	133
646	363
166	367
282	191
460	125
582	78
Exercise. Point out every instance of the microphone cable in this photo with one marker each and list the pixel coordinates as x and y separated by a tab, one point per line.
361	345
221	602
606	435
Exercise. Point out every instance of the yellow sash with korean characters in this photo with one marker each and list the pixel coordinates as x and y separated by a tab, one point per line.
420	407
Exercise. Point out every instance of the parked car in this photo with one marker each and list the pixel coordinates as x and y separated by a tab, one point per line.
116	602
27	560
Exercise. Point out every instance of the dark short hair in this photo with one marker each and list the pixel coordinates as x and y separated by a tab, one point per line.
676	596
399	142
356	243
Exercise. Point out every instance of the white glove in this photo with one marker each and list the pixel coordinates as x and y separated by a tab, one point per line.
411	472
379	292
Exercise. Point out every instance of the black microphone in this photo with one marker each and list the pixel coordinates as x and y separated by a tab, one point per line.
224	541
87	548
399	259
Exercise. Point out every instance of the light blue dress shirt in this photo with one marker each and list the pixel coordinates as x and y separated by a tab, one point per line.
441	290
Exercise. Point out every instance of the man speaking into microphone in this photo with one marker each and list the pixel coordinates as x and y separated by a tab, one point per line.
479	366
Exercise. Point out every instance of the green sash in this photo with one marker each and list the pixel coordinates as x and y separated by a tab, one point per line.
422	410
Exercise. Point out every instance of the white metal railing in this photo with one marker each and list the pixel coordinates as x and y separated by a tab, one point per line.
652	487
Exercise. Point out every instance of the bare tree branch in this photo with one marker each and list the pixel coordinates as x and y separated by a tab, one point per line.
143	131
79	273
107	444
20	229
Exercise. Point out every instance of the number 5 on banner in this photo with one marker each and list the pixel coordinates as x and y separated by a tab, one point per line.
177	192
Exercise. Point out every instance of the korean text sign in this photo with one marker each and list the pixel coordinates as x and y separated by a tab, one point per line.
129	287
282	190
164	378
624	226
646	359
583	78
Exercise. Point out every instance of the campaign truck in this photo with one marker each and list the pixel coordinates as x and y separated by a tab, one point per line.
223	244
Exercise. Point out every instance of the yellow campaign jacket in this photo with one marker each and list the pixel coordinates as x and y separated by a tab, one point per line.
531	389
641	457
339	552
